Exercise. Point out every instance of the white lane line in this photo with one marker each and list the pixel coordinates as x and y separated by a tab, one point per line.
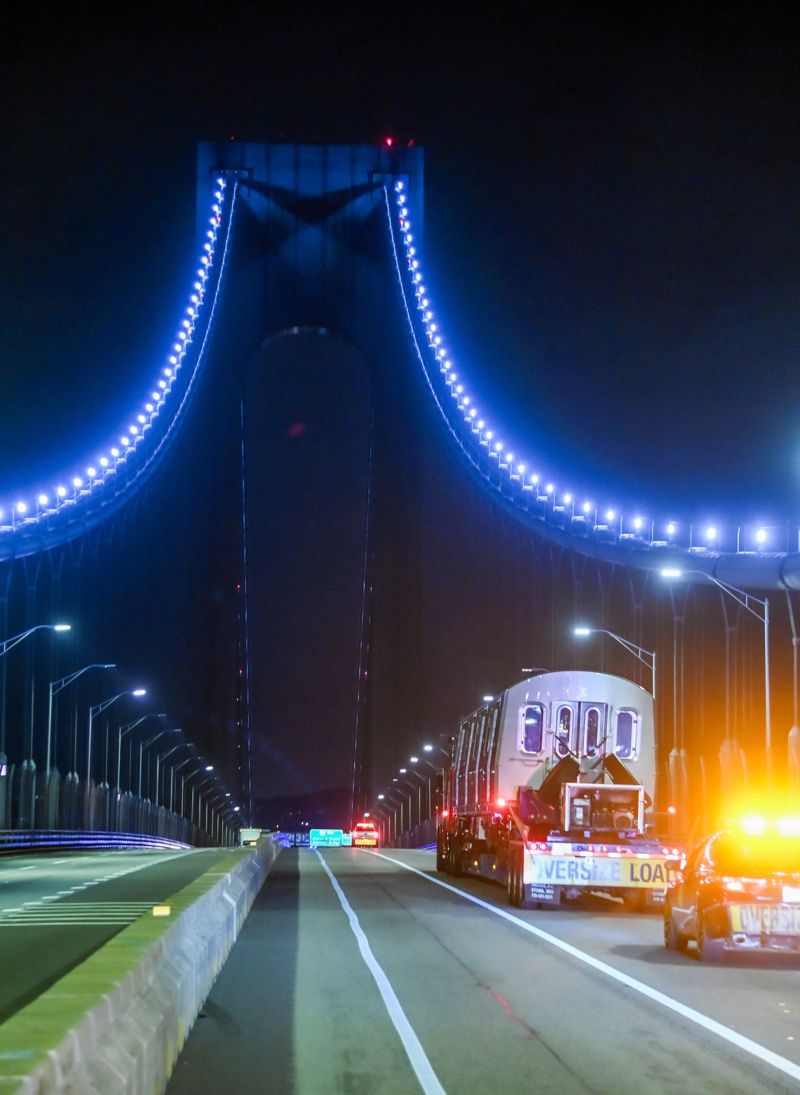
755	1049
423	1069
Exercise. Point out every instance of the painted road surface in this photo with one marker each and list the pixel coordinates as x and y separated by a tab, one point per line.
55	910
356	975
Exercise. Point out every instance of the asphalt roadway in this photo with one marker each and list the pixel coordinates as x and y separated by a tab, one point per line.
412	986
55	910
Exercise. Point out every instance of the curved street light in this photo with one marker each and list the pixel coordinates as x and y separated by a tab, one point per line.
8	644
58	686
125	730
748	602
145	745
646	657
98	709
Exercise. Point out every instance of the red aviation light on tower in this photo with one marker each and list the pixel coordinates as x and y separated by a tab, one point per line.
388	142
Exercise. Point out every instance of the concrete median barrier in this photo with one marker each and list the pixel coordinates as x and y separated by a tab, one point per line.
117	1022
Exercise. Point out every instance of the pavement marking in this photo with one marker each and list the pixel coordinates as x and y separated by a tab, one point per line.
75	914
423	1069
755	1049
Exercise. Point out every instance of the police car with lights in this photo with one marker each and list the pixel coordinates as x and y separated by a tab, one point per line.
738	891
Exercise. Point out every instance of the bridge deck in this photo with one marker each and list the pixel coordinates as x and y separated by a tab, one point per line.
494	1008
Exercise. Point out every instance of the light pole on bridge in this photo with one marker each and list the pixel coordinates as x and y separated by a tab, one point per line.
646	657
58	686
98	709
9	644
123	732
159	758
760	610
145	745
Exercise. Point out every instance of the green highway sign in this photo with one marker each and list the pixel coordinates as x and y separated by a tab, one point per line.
327	838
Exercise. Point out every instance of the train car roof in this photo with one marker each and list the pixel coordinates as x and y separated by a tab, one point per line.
537	678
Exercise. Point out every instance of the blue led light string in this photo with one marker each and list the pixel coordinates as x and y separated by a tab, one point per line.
530	490
23	516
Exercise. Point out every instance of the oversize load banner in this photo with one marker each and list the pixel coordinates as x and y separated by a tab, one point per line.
769	919
568	870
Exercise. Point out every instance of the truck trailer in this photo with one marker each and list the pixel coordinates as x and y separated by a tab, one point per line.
550	792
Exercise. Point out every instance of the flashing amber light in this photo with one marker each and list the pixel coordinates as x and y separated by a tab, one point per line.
754	824
672	810
789	826
734	884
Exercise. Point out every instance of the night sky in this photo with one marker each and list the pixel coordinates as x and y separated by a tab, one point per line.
611	237
612	230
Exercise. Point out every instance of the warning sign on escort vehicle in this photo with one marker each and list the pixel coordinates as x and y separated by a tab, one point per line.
590	870
765	919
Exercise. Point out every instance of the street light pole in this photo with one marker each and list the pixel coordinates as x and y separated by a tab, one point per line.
54	688
633	648
188	776
145	745
126	729
196	787
173	771
748	602
9	644
159	758
423	782
98	709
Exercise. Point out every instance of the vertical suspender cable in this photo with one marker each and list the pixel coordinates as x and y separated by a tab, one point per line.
365	618
245	728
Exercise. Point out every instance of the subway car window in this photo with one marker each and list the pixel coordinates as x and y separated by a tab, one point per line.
592	737
532	728
564	731
625	738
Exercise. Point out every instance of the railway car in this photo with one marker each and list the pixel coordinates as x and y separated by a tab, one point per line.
550	790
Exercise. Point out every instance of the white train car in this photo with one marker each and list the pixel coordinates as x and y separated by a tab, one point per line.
550	789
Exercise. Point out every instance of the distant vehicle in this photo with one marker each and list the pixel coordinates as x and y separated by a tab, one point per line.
365	835
738	891
249	837
548	791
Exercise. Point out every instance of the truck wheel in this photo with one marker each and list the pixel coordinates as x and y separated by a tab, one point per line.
441	857
515	884
512	883
454	857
